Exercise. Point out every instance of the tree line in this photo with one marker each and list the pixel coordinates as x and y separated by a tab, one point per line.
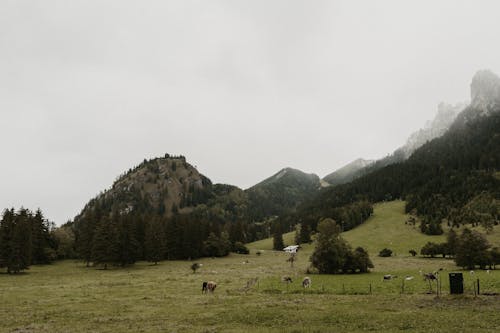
470	249
123	238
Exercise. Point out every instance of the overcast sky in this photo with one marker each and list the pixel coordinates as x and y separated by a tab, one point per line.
89	89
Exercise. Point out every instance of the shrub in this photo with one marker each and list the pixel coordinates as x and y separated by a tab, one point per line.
385	253
240	248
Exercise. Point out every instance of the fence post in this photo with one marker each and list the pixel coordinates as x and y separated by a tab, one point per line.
370	288
478	287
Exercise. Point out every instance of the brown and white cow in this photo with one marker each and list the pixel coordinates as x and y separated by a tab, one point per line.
208	287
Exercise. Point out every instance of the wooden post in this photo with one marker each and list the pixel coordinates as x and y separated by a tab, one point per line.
403	286
343	288
370	288
478	287
440	285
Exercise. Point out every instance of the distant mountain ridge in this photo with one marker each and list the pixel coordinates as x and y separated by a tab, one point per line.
347	172
289	174
444	118
281	193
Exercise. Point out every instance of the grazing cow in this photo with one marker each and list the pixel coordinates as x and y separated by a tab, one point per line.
306	283
204	287
286	279
388	277
471	272
211	285
430	276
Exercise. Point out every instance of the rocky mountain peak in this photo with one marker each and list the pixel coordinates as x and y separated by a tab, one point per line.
485	90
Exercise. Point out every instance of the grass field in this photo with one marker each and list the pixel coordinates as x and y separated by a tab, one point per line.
68	297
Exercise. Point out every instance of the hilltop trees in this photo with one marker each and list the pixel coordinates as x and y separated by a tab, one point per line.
333	254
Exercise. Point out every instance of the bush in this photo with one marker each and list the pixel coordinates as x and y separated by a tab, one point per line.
333	254
385	253
240	248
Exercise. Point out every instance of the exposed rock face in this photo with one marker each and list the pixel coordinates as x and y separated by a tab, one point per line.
433	129
485	91
161	185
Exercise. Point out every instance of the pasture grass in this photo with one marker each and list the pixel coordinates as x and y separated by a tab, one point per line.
69	297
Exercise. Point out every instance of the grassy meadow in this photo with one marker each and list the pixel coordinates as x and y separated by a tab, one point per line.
69	297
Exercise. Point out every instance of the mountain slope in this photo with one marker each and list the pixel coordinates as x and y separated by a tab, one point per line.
347	172
440	180
445	116
162	186
281	193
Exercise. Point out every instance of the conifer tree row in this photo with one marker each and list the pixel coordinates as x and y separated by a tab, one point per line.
25	239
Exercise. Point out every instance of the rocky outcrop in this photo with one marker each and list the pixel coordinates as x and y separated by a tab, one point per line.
445	116
485	91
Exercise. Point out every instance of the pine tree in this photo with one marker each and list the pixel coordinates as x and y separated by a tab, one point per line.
42	252
305	233
452	242
127	244
155	240
278	243
19	257
173	238
105	244
7	225
85	230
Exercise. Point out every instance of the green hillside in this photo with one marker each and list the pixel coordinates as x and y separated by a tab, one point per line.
386	228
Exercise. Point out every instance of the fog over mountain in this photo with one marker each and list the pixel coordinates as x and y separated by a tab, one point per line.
89	89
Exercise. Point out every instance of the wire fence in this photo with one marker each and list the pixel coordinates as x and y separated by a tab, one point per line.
366	284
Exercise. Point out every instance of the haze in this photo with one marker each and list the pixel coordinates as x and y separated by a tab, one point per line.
89	89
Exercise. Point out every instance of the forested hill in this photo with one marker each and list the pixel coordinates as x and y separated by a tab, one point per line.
281	193
162	186
168	202
169	186
452	179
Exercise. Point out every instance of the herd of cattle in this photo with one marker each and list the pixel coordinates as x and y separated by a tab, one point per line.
209	287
